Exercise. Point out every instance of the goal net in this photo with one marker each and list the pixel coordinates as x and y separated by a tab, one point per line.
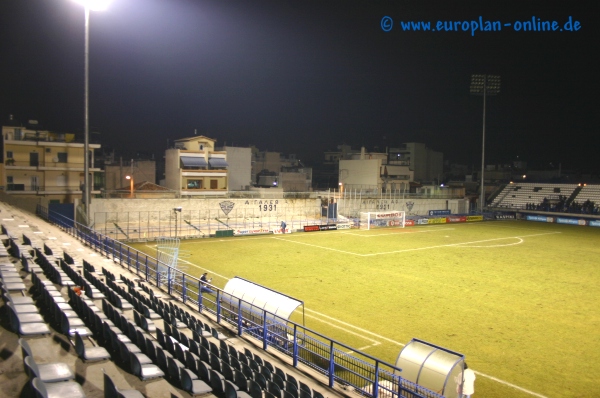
373	219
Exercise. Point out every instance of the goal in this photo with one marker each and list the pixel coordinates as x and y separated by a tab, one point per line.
374	219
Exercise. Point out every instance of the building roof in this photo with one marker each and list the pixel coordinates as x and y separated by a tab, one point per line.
145	186
195	138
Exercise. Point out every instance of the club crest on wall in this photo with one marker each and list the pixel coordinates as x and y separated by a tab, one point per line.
226	206
409	205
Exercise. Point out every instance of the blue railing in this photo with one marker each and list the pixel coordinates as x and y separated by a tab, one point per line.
370	376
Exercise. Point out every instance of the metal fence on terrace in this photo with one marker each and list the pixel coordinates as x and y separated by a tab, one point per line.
369	376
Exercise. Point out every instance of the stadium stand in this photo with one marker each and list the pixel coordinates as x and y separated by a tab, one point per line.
518	195
85	345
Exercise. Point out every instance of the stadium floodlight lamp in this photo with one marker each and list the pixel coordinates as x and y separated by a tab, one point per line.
94	5
484	85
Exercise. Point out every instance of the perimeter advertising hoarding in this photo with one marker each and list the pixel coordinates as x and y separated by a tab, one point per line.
570	221
474	218
315	228
344	226
437	221
456	219
251	231
279	231
531	217
439	212
594	223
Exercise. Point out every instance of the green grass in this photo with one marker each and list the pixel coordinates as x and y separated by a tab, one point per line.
519	299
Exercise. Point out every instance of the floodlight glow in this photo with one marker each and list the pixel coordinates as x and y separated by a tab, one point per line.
94	5
128	177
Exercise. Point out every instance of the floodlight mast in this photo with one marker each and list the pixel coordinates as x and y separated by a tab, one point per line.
484	85
95	5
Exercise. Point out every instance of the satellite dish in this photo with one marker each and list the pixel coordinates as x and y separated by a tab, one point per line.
55	160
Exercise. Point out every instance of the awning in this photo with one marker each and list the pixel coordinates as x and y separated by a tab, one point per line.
217	162
193	161
257	297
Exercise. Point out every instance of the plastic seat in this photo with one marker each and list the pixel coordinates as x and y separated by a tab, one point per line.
192	384
191	361
240	380
304	387
63	389
48	372
254	389
218	335
70	326
204	371
144	371
26	329
273	389
227	373
217	383
174	369
89	354
231	391
111	390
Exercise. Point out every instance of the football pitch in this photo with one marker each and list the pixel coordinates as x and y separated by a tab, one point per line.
519	299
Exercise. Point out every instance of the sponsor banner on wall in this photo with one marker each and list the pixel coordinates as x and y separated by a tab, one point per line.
439	212
328	227
474	218
388	215
423	221
437	221
314	228
531	217
594	223
344	226
251	231
279	231
409	223
570	221
504	217
456	219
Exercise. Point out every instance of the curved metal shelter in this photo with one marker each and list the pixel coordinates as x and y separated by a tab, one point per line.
256	298
431	366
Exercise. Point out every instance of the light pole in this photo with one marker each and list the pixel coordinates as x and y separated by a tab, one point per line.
94	5
130	178
484	85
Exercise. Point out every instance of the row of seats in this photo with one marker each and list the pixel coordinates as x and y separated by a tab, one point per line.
180	357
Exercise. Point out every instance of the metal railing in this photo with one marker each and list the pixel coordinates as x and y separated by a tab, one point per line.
368	375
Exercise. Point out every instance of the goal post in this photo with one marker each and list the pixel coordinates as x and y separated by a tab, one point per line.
374	219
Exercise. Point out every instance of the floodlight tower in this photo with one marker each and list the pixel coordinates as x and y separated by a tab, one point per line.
484	85
94	5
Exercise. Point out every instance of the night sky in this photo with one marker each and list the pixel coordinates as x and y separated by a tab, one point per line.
302	76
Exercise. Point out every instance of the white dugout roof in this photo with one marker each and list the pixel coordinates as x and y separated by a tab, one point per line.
260	297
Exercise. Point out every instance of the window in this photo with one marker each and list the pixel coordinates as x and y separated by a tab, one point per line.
214	184
62	157
9	154
194	184
9	179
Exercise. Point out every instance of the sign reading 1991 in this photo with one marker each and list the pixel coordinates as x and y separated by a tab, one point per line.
265	205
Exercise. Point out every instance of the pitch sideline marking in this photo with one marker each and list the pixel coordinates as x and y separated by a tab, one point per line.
506	383
387	339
